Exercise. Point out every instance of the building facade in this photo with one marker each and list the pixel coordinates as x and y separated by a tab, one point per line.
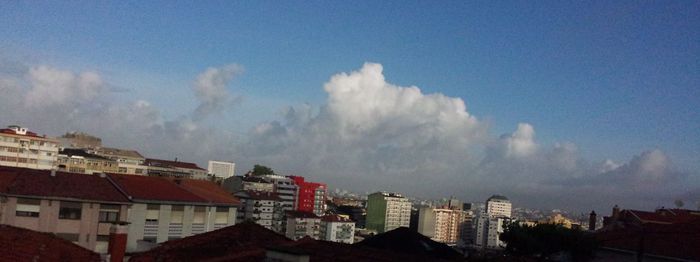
302	224
263	208
337	228
22	148
444	225
286	189
491	222
221	169
80	161
311	196
128	161
75	207
387	211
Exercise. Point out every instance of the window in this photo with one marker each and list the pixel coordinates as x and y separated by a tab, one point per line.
199	214
221	215
109	213
152	213
176	214
70	210
27	207
122	170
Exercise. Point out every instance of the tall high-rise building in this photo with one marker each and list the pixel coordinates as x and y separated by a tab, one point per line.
490	224
445	225
221	169
22	148
387	211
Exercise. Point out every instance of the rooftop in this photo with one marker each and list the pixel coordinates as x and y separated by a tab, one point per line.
171	164
497	197
119	152
19	245
40	183
148	188
80	152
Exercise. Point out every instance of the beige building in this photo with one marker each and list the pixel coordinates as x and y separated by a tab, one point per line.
81	208
80	161
128	161
443	224
22	148
75	207
558	219
302	224
178	169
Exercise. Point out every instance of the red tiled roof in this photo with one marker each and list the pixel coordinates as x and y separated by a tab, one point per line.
241	240
168	163
154	188
681	240
665	216
19	245
40	183
209	191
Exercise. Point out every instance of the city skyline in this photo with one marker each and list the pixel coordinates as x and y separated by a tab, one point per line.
560	105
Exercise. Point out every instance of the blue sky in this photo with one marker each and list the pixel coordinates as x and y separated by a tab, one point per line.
614	77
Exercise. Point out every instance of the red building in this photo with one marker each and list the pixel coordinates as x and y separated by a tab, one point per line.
312	196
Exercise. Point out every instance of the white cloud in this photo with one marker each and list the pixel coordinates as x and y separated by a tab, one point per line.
53	87
210	89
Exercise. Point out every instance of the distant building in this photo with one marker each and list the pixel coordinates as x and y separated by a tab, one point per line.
178	169
286	189
387	211
221	169
263	208
80	140
22	148
490	223
336	228
301	224
128	161
558	219
311	197
80	161
356	213
247	183
444	225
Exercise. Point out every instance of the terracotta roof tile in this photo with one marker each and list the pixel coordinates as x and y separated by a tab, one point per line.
40	183
154	189
209	191
19	245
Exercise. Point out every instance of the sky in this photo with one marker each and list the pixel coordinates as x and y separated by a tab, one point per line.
555	104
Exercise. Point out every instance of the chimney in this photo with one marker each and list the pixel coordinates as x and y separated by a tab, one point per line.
616	212
53	172
117	242
591	221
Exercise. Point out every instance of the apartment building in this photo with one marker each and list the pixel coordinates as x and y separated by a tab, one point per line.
22	148
236	184
311	196
128	161
302	224
337	228
178	169
263	208
221	169
80	161
74	207
286	189
387	211
443	224
491	222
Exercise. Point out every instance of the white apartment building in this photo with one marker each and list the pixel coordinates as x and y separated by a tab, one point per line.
387	211
221	169
263	208
302	224
287	190
22	148
336	228
491	222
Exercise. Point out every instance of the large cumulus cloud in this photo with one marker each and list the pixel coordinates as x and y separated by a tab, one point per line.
369	135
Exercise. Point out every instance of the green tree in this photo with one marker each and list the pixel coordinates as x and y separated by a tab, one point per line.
260	170
544	240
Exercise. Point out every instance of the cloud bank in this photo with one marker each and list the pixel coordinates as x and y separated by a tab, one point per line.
369	135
